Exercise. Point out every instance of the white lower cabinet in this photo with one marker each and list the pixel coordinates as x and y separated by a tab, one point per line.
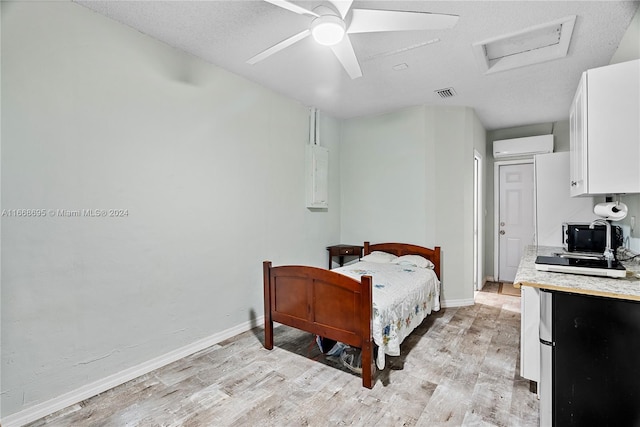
529	333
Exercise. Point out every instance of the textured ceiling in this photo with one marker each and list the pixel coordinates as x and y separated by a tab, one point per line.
227	33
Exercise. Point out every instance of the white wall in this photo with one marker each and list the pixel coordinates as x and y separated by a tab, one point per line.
629	48
384	180
408	176
209	166
457	131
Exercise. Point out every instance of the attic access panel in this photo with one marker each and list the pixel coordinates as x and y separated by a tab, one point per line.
530	46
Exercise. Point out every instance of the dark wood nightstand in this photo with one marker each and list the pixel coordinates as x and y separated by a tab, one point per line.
343	250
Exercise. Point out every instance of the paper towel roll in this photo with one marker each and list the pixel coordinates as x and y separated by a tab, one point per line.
614	211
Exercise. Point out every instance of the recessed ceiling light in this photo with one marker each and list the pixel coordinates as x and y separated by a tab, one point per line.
533	45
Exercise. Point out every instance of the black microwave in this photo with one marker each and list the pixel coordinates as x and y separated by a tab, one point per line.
579	237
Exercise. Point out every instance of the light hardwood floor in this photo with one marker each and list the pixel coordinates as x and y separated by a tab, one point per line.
459	368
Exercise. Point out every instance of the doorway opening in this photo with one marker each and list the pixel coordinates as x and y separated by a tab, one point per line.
478	220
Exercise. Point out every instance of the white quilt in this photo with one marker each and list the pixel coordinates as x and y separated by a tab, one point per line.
402	297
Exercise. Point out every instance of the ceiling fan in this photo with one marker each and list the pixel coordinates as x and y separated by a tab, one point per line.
331	27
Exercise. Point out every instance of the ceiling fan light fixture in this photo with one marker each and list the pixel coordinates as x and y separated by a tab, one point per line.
328	30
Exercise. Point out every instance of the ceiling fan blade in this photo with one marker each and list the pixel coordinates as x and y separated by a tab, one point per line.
278	47
373	21
347	57
343	6
292	7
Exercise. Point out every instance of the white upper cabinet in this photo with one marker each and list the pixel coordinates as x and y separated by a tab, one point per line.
605	131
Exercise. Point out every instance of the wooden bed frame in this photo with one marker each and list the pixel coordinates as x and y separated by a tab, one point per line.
329	304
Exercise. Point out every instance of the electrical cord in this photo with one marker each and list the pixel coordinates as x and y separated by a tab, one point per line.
629	259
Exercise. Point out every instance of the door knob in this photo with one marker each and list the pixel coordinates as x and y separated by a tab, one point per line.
502	232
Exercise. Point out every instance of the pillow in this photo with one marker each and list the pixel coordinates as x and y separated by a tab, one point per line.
415	260
378	256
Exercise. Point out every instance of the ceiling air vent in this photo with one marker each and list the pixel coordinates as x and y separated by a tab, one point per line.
446	93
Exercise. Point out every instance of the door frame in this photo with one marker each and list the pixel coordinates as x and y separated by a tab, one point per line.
478	221
496	209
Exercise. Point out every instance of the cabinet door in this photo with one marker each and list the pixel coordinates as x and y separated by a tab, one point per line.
613	97
578	141
529	335
596	375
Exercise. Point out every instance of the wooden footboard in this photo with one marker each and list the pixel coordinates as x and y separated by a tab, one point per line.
329	304
321	302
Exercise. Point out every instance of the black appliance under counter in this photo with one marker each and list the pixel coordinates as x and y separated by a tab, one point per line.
593	360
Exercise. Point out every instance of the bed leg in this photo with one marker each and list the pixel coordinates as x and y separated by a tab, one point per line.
367	365
367	347
268	322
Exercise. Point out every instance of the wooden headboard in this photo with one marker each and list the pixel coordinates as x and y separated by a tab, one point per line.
400	249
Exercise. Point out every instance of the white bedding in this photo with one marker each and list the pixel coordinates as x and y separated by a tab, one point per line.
402	297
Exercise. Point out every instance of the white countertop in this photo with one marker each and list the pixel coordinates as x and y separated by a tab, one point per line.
527	275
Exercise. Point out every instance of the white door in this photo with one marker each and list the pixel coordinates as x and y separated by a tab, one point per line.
516	217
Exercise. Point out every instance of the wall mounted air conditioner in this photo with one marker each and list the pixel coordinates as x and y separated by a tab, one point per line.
523	147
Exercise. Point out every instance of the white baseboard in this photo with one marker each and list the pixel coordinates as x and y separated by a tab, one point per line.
67	399
457	302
